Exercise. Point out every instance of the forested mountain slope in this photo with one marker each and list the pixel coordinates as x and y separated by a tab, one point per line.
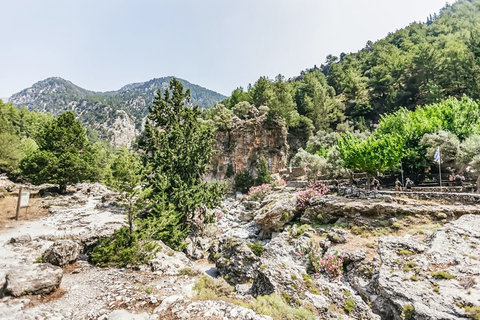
125	107
419	64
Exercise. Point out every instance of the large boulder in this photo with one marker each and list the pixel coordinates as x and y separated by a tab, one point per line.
41	278
235	261
435	280
62	252
277	210
21	239
169	262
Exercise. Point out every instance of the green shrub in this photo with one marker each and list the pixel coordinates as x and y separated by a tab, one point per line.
396	225
212	289
256	248
122	249
263	173
349	305
408	311
473	312
442	275
39	259
278	309
243	181
188	272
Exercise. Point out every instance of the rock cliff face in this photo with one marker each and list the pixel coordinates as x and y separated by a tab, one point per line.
239	148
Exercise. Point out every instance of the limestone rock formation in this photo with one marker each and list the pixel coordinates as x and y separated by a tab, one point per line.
235	261
277	210
169	262
181	308
40	278
435	280
21	239
248	140
62	252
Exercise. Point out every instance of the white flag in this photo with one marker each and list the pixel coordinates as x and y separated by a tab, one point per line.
436	157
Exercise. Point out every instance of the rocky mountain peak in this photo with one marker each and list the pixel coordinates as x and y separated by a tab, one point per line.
99	110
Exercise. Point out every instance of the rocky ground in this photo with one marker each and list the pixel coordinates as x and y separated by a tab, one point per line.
402	259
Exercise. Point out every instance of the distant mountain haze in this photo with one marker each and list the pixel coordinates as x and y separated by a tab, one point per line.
114	115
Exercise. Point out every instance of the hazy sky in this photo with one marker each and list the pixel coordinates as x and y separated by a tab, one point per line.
219	44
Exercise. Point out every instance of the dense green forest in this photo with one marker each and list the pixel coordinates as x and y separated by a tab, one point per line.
417	65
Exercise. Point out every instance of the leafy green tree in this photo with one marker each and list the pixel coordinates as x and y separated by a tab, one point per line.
222	117
313	164
261	92
469	148
470	155
322	142
177	150
126	178
263	172
11	152
238	95
448	143
316	100
371	155
102	156
281	103
63	156
244	110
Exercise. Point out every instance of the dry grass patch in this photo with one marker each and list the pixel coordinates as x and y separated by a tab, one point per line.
8	208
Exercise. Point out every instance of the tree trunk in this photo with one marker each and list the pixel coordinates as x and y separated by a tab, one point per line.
62	188
478	184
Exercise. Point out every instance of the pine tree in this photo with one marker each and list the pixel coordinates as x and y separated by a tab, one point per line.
177	150
64	155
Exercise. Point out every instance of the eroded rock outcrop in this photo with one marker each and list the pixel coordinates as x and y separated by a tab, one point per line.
248	140
181	308
278	209
235	261
374	212
435	280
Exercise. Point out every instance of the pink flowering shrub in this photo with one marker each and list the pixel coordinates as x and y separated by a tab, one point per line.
259	192
306	197
332	265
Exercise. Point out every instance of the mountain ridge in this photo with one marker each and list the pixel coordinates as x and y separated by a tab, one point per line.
117	115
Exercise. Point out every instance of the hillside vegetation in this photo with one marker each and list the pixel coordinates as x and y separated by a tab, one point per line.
420	64
56	95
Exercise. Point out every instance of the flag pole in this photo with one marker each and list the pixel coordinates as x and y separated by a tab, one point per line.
440	168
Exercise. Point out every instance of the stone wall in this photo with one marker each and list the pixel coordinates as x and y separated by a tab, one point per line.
441	197
239	148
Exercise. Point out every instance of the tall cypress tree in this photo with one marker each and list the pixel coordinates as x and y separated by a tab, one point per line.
177	150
